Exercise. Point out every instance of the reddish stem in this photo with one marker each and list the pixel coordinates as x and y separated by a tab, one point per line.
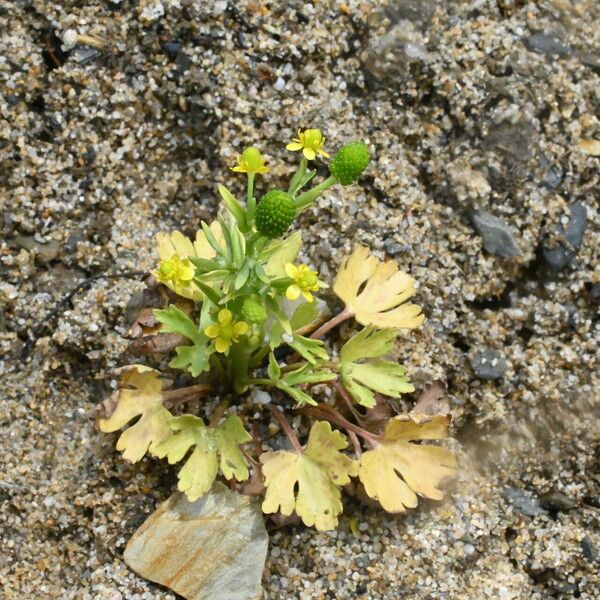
185	393
287	428
328	413
333	322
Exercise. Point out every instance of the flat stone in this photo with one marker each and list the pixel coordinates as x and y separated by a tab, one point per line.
488	364
546	44
496	235
523	502
212	548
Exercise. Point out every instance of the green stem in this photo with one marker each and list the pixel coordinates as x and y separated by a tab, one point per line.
260	355
304	200
259	381
250	200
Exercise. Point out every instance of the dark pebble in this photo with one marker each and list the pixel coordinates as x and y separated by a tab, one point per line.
588	549
546	44
172	49
488	364
184	62
560	256
557	501
496	235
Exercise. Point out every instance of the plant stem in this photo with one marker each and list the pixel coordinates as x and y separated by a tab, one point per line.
323	411
341	390
304	200
259	381
287	428
333	322
185	394
250	200
219	412
260	355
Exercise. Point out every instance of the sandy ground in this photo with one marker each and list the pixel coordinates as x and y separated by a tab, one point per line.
483	121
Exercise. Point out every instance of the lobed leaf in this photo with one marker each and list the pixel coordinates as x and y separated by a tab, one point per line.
362	379
318	472
140	394
278	253
396	470
213	449
375	292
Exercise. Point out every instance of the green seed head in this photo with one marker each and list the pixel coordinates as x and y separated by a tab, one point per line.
349	162
254	310
275	213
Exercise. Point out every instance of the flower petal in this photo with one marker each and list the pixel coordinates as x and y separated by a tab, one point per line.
212	331
238	169
308	296
240	328
323	153
291	270
293	292
222	345
294	146
309	153
225	317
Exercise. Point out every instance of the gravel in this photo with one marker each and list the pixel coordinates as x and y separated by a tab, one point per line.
103	146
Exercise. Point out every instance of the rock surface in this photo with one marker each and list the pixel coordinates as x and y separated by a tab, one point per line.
212	548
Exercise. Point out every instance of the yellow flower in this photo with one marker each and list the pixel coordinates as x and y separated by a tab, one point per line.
176	271
170	244
305	282
310	141
251	161
226	331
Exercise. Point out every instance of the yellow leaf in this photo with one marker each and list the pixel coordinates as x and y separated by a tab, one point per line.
375	292
286	251
319	472
396	470
139	395
177	243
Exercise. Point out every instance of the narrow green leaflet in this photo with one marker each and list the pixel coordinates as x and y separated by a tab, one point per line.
363	379
213	449
311	350
304	374
309	482
233	206
174	320
194	358
139	395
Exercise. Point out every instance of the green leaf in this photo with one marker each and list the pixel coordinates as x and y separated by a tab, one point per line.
363	379
298	395
233	206
208	291
306	374
311	350
174	320
305	313
242	277
204	265
273	370
214	449
193	358
368	343
210	238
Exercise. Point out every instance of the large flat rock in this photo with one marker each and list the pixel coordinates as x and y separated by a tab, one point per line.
211	549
